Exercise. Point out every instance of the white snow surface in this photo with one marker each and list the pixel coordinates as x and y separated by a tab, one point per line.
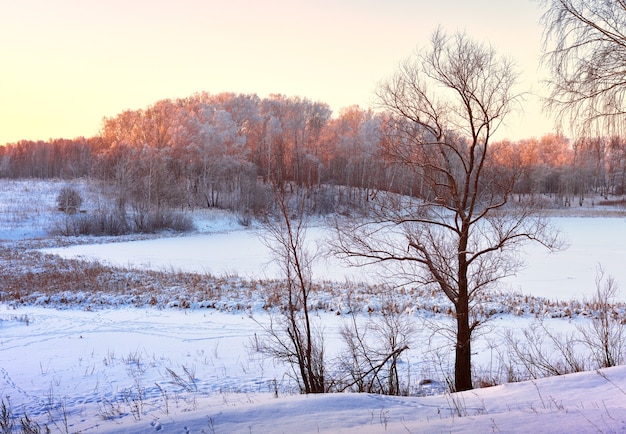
88	368
142	370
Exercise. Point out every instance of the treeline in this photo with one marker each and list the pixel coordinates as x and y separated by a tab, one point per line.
568	171
58	158
224	150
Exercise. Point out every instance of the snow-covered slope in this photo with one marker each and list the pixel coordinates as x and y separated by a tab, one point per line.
143	371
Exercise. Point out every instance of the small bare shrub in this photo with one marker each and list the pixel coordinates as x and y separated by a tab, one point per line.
105	222
166	221
544	353
69	200
102	223
605	337
374	350
99	223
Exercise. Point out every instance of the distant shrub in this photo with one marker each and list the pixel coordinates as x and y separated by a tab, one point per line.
69	200
612	202
112	223
166	221
101	223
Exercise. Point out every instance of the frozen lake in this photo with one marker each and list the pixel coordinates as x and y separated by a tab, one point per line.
571	273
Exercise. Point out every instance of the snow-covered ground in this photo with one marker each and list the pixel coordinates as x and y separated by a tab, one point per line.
143	370
136	370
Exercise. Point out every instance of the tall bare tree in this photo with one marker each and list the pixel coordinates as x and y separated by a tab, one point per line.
294	338
585	43
459	236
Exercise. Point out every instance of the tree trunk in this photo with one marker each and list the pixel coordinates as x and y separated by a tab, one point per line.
463	364
463	353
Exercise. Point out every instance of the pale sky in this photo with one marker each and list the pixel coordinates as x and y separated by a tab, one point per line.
65	64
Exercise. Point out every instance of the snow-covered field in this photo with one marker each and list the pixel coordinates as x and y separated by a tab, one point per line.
159	369
142	370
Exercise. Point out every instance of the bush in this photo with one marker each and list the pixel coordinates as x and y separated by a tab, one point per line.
543	353
159	221
605	337
371	363
100	223
69	200
166	221
113	223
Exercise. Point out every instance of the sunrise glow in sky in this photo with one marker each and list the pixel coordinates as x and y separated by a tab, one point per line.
65	64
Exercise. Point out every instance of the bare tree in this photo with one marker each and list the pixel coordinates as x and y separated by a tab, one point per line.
458	237
294	338
585	43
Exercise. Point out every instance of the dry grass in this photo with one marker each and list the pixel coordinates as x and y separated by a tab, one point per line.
30	277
